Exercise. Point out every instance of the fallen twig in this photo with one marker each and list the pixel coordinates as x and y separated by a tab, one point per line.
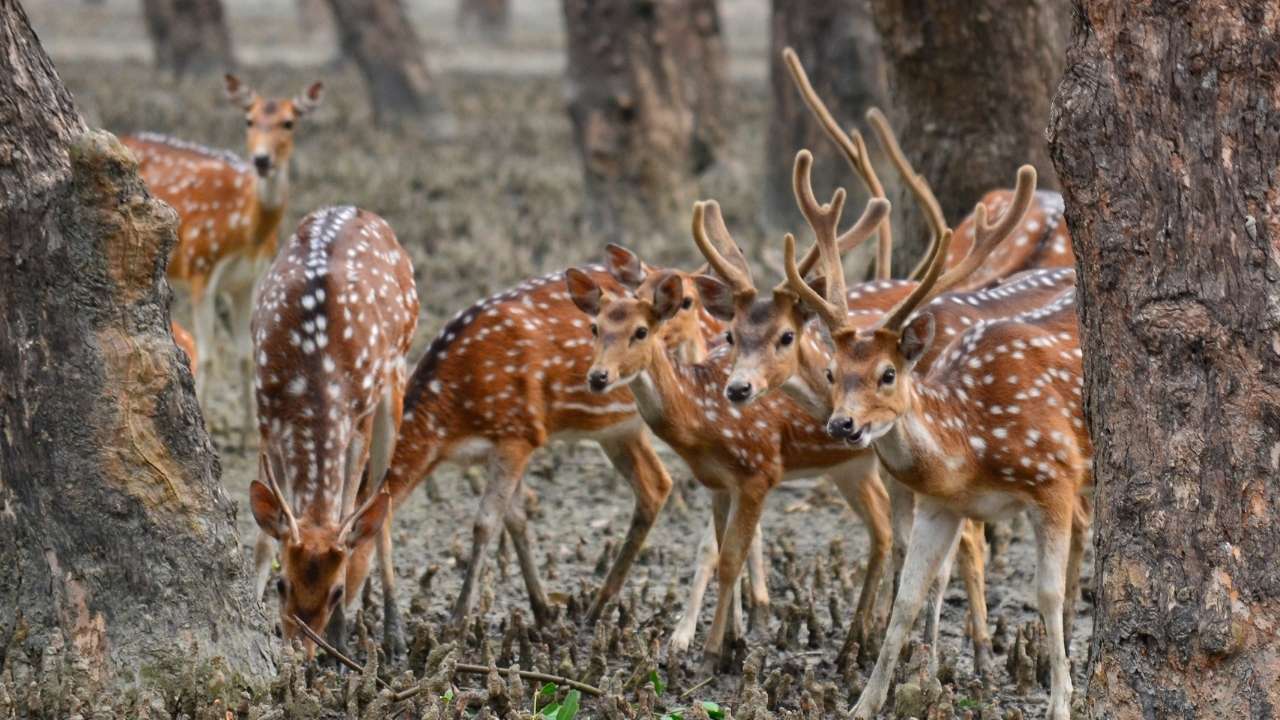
465	668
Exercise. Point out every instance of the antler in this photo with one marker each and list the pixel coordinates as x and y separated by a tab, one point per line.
294	534
824	220
915	182
735	271
923	292
855	152
987	237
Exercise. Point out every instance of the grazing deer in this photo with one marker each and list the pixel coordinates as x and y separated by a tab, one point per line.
229	216
777	343
503	378
334	319
995	426
740	454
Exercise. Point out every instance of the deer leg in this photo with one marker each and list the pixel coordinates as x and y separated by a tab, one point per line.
746	506
241	316
1053	541
933	534
517	524
636	460
505	470
937	596
382	444
204	306
859	484
759	577
721	503
902	508
972	555
1080	522
706	557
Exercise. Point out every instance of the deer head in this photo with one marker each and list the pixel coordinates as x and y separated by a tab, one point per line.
766	331
270	123
314	554
682	333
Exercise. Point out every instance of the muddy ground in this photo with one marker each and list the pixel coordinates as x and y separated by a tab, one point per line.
494	202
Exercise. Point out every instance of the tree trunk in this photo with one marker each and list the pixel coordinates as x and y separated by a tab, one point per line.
971	84
489	20
189	36
378	34
646	97
1166	136
840	50
118	545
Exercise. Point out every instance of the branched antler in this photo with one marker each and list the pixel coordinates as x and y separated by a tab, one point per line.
733	269
915	182
987	237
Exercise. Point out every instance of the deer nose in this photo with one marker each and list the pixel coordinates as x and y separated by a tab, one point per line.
738	390
840	427
598	380
262	163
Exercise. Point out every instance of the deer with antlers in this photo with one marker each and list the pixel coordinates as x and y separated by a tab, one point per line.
740	454
334	320
503	378
229	215
993	426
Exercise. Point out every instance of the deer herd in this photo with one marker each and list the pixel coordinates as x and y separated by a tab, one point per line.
934	404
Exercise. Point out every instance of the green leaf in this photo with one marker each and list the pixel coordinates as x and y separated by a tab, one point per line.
549	711
447	696
658	686
548	690
713	710
569	710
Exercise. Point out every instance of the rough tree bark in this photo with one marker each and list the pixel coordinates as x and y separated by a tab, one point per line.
1166	136
188	36
117	542
489	20
971	84
647	100
840	49
385	46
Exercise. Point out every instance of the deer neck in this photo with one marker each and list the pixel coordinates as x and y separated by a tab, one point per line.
925	435
270	196
658	390
807	386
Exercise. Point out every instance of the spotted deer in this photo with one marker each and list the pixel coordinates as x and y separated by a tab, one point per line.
503	378
333	322
777	343
183	340
994	426
229	214
740	454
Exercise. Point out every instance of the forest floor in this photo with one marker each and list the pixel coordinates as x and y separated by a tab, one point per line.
496	201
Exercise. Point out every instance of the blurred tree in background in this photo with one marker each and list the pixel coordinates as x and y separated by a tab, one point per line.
189	36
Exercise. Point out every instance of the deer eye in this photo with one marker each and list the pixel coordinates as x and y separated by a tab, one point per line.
248	122
335	596
642	332
831	378
728	337
281	587
889	376
595	331
686	304
287	124
787	338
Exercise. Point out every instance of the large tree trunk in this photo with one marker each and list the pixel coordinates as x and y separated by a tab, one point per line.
489	20
971	84
189	36
1166	136
646	97
117	542
378	34
840	49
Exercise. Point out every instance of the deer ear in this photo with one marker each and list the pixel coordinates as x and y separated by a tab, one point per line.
916	338
309	99
367	524
267	511
624	265
667	296
717	297
238	93
583	290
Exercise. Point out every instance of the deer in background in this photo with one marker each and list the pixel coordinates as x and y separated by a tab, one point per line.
229	215
993	427
186	343
740	454
503	378
334	320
